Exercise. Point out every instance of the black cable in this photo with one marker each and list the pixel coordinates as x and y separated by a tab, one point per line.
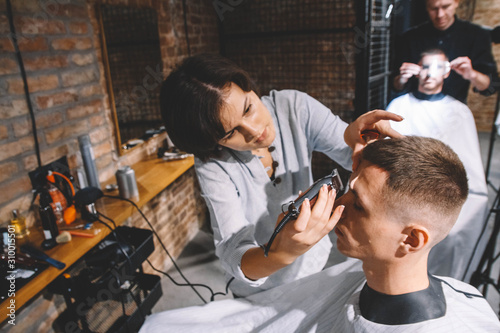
116	276
192	285
118	241
184	9
212	297
104	223
25	81
227	289
280	226
176	283
107	218
159	241
115	234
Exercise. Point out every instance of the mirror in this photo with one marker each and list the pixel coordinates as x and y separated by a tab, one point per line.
133	67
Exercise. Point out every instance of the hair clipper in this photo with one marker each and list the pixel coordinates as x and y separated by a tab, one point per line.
332	181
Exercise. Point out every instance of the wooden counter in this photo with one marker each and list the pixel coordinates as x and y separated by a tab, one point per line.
152	176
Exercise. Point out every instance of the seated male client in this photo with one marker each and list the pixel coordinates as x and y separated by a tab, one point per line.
404	198
427	111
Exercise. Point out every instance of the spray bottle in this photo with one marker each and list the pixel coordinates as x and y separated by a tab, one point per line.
59	202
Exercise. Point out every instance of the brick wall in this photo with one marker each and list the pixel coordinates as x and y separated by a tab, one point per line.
180	205
486	13
176	214
63	79
61	49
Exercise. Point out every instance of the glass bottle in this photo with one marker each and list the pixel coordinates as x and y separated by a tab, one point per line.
19	223
48	219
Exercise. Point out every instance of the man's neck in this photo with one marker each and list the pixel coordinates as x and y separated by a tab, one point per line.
427	97
397	278
430	92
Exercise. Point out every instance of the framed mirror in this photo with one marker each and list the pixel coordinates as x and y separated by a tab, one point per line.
133	67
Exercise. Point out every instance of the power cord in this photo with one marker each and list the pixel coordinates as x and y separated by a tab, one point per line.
212	297
107	218
159	240
116	275
184	14
188	283
25	81
118	241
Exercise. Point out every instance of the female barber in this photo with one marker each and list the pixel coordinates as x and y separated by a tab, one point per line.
252	155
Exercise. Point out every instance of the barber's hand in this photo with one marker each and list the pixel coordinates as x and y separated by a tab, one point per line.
463	66
376	120
406	71
298	236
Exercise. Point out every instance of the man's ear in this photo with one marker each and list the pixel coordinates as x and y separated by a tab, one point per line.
416	237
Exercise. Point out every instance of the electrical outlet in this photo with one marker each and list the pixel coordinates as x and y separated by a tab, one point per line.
38	175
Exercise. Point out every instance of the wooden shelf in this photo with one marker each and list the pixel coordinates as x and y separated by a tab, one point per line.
152	175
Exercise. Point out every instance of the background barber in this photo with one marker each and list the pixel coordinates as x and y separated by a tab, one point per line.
467	45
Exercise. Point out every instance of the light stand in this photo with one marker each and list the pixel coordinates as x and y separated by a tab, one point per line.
493	135
482	275
495	38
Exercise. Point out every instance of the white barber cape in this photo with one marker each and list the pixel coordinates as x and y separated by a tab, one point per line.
324	302
446	119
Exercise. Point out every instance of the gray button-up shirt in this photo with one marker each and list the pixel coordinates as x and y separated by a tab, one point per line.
244	203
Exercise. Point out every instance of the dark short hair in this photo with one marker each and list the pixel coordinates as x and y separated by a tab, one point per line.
422	172
433	51
192	97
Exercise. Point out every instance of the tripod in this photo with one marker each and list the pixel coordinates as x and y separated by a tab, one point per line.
482	275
